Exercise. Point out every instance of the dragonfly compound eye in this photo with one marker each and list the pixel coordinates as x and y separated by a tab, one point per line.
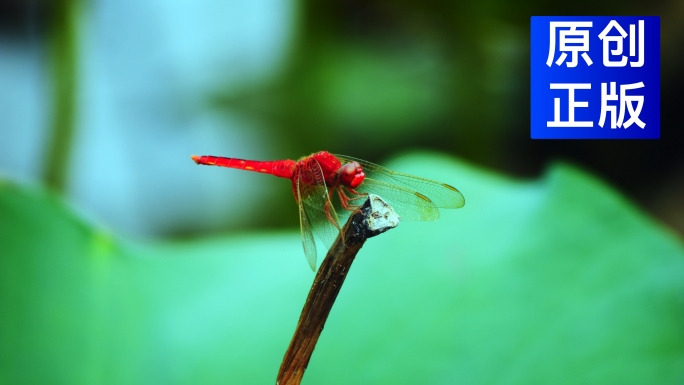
351	174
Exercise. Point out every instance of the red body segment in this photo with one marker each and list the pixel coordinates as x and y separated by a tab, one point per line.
329	164
334	172
279	168
321	168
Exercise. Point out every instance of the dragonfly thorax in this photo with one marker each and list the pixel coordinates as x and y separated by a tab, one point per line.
351	174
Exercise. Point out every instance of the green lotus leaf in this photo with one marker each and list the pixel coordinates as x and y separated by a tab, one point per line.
555	281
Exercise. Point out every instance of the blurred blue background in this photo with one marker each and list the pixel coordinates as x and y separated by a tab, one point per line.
159	271
105	100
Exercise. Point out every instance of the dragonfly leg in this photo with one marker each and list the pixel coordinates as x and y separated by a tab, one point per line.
357	194
344	199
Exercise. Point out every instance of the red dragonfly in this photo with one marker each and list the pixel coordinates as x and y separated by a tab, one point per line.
318	177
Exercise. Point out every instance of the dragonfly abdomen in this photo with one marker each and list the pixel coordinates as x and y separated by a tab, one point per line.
279	168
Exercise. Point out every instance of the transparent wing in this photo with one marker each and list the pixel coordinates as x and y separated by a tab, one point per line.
411	205
308	241
413	197
315	207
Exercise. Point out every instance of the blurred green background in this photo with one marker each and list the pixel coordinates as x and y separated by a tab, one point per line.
121	262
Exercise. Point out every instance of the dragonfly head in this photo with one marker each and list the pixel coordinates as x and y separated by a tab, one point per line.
351	174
